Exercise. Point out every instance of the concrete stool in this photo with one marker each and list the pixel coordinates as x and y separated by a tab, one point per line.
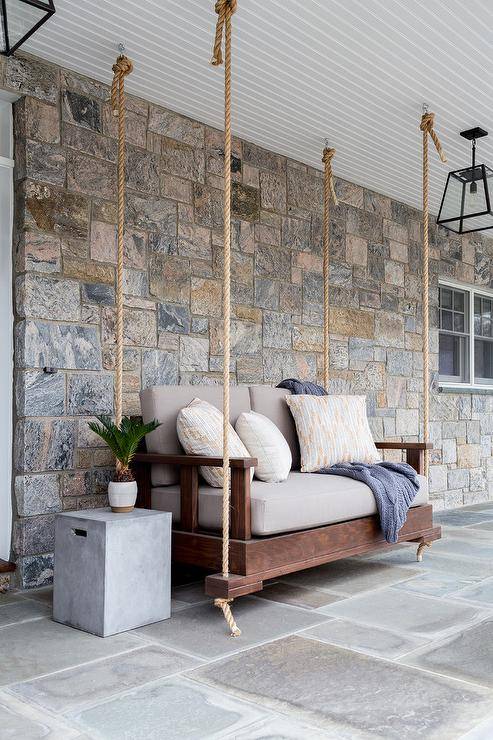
112	571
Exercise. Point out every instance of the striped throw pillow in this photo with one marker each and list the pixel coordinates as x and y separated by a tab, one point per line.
332	429
200	430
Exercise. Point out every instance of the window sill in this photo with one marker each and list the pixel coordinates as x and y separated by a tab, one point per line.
471	389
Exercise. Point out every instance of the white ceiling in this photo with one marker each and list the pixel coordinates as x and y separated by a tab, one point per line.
354	71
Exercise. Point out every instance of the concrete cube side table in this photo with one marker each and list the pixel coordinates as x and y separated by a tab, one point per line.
112	571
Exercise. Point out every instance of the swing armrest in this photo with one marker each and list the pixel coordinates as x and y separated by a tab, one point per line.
189	487
415	452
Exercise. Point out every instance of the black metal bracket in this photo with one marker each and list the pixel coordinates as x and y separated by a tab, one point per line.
471	134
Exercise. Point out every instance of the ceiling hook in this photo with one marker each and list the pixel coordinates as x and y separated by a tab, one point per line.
121	48
326	141
425	108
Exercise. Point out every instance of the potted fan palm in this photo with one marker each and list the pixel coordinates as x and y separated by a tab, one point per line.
123	441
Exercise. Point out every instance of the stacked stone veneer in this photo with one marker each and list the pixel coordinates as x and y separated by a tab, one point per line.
64	256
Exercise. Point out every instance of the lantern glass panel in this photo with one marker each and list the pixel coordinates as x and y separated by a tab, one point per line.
21	19
466	204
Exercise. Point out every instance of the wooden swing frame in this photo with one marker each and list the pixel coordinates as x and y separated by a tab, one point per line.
254	560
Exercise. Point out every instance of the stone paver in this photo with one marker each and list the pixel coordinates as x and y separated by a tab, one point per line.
175	709
198	630
372	647
467	655
336	688
372	640
90	683
413	614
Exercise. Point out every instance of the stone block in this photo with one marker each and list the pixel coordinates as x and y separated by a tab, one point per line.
245	202
37	494
437	478
356	250
449	453
159	368
40	344
175	126
142	170
399	362
208	206
266	293
133	551
91	176
363	224
263	159
276	330
206	297
182	160
389	329
36	571
170	278
351	323
174	318
135	283
35	119
308	338
82	110
394	273
176	188
406	422
273	191
38	252
194	353
468	455
135	126
89	142
40	394
272	262
100	293
32	77
47	298
90	393
45	162
88	270
304	190
158	215
53	210
194	241
34	535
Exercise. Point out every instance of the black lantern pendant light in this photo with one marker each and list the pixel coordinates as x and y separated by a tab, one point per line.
19	19
466	203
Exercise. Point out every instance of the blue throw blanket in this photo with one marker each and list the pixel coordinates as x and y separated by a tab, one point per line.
394	485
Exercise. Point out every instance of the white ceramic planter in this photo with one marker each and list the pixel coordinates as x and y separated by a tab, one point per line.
122	495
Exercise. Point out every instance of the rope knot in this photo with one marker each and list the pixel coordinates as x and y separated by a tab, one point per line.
426	126
223	604
327	156
223	8
121	68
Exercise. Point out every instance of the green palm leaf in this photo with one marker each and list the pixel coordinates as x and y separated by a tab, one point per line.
122	440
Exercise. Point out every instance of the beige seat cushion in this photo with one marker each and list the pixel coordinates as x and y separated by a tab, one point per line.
303	501
331	430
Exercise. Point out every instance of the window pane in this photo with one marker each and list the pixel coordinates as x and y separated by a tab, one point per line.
483	361
458	301
477	315
453	358
458	322
445	298
446	320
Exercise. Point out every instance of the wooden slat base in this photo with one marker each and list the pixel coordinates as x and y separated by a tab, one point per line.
253	561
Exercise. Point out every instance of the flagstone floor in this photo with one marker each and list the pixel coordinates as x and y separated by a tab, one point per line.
372	647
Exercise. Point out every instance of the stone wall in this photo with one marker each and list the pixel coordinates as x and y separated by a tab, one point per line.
65	253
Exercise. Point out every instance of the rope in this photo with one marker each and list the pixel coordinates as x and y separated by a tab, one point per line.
122	67
329	192
426	126
224	10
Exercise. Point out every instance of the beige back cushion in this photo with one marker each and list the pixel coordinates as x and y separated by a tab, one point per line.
164	402
271	402
332	429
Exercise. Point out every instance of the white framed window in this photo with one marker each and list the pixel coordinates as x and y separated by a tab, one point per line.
465	336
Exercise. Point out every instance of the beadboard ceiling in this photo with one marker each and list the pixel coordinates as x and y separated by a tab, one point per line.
354	71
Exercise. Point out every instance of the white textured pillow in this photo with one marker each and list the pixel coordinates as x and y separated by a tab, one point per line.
332	429
200	430
265	442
